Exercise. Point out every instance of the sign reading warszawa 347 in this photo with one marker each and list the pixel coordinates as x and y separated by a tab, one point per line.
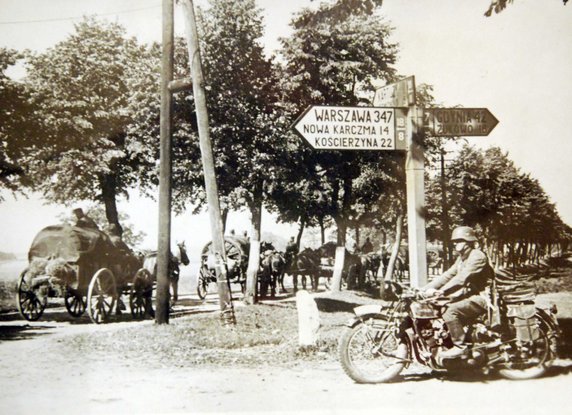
353	128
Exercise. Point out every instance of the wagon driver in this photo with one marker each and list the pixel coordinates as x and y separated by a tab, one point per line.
84	221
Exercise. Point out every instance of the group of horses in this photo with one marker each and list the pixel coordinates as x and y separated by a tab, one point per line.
313	264
359	269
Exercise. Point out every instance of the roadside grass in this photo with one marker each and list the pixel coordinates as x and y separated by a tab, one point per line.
265	335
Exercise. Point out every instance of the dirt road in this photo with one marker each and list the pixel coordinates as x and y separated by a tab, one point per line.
43	383
38	379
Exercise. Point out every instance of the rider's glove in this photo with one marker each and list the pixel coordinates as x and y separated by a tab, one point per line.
433	292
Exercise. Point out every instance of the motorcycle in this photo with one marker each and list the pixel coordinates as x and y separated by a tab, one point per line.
519	340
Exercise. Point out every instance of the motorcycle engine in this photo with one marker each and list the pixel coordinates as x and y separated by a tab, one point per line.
433	332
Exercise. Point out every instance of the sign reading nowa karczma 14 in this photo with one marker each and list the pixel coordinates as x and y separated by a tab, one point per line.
353	128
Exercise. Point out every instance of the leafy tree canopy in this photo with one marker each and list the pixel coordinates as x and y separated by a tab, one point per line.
83	97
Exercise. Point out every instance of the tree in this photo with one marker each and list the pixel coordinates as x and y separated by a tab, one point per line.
16	124
331	58
499	5
510	209
83	102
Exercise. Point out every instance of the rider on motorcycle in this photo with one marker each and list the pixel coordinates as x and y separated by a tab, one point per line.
464	283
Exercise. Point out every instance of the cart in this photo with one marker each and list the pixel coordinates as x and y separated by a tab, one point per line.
236	250
83	267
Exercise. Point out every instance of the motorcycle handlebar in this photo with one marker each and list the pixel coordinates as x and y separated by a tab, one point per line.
411	293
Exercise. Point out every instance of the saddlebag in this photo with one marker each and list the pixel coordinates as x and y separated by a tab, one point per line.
522	317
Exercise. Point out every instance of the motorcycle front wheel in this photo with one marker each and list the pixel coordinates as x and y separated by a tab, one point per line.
530	360
371	353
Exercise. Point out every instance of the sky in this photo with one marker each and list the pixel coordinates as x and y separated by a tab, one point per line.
516	64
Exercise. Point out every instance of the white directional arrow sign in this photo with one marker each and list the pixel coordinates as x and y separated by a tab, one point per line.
353	128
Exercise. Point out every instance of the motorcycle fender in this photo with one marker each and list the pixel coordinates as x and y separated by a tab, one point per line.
363	313
364	310
547	317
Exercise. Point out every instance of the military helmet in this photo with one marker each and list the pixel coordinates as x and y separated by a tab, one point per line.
463	233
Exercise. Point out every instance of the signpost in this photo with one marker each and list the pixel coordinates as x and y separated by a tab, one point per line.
394	123
398	94
454	122
353	128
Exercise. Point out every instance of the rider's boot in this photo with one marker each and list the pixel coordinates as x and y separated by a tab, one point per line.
457	336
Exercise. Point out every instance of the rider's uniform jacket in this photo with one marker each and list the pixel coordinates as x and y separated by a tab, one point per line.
469	275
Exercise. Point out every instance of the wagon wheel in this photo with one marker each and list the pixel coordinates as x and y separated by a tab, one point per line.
141	294
101	296
236	257
76	303
206	276
233	250
30	305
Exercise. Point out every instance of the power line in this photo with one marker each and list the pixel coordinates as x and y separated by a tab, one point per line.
61	19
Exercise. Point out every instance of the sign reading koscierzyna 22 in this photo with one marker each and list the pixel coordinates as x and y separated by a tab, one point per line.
353	128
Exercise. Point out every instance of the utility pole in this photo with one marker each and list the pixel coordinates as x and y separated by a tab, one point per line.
165	167
225	299
445	213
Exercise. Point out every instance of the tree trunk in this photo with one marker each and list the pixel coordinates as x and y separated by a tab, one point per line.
254	254
341	230
383	237
108	196
224	217
395	249
447	254
300	232
357	238
322	230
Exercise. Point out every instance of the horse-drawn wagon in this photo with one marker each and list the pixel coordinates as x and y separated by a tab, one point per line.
85	268
236	250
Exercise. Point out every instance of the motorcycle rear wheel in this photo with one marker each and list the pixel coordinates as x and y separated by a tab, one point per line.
371	353
531	361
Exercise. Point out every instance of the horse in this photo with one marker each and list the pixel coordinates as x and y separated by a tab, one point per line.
150	264
353	271
272	268
370	264
305	264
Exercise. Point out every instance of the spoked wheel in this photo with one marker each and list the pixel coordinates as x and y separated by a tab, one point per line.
76	303
528	360
371	353
101	296
141	295
205	278
30	303
236	259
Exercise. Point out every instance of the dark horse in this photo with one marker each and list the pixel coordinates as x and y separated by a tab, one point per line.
353	271
150	264
272	268
305	264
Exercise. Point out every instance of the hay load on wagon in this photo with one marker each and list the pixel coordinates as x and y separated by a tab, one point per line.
86	268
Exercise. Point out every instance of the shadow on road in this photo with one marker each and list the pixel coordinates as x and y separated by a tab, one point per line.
21	332
14	327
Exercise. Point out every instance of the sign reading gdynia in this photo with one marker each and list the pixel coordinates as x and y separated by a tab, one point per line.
353	128
451	122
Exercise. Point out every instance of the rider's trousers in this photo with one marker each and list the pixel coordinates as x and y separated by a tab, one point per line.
462	313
